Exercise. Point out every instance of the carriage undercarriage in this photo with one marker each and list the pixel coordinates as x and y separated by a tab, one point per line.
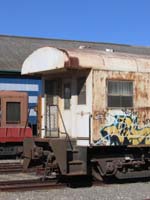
57	158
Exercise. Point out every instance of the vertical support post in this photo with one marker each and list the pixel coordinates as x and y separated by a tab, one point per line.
90	116
50	120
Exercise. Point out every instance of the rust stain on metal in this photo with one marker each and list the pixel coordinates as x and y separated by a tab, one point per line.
84	58
141	95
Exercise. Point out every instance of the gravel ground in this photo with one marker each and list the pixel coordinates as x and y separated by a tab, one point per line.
128	191
18	176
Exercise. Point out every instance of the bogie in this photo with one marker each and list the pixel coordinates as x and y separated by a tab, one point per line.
99	162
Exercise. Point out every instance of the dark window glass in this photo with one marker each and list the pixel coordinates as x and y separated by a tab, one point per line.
13	112
113	101
81	90
51	87
67	95
127	101
120	94
51	90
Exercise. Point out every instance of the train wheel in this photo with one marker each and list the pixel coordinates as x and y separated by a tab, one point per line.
51	166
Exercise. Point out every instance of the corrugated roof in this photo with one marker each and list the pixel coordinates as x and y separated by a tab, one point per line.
14	50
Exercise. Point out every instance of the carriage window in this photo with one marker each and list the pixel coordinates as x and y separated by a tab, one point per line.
67	95
120	94
51	90
13	112
81	89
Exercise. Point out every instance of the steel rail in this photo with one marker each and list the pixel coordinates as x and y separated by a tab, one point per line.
10	167
25	185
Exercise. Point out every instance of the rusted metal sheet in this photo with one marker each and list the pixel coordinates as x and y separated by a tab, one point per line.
85	59
143	65
48	59
13	97
136	119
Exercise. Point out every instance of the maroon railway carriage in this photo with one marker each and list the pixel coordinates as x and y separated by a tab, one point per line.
13	122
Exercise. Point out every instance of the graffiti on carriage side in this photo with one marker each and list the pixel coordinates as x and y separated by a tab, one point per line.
125	130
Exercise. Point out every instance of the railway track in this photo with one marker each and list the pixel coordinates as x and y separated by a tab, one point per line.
50	183
24	185
10	167
38	184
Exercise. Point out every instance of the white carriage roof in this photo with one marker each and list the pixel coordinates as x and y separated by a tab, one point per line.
47	59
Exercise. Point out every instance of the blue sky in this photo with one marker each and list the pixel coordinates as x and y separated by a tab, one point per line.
115	21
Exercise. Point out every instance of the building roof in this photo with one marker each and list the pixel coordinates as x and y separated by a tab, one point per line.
14	50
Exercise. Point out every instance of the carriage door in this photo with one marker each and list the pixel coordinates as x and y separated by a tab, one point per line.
51	111
82	111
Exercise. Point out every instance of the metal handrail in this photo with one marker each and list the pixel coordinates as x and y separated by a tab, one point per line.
66	133
27	120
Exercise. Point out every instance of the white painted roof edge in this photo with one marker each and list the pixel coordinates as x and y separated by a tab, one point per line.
44	59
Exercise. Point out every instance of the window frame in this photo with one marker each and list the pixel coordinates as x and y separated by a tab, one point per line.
120	95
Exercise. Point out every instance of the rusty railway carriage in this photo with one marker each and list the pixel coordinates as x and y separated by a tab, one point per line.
94	114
